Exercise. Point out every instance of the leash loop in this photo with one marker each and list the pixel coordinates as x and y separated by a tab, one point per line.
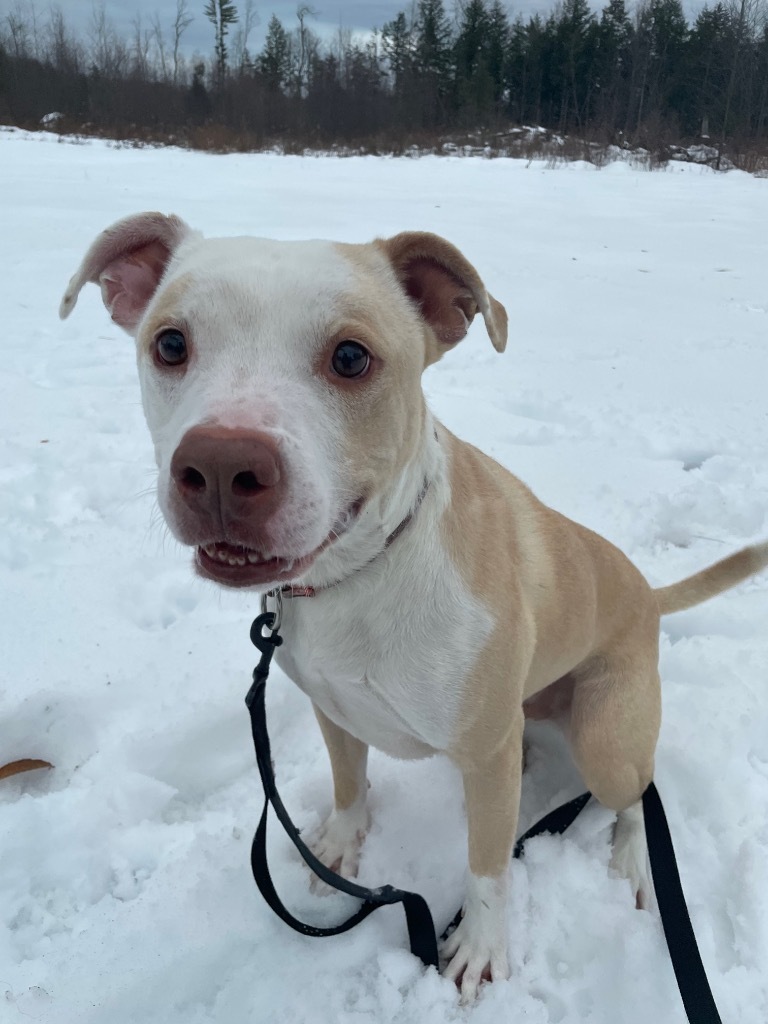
421	928
689	971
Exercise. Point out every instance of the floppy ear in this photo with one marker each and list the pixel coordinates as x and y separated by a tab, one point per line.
445	286
127	261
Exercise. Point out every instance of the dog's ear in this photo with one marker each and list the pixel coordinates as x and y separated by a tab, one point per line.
445	286
127	261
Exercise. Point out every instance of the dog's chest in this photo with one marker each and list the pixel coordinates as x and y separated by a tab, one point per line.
391	669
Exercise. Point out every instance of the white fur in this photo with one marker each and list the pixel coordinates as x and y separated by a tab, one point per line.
256	315
480	940
630	855
357	650
386	651
253	349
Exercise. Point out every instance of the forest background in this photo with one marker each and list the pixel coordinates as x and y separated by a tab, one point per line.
430	79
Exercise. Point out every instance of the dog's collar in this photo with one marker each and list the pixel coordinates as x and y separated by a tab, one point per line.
291	590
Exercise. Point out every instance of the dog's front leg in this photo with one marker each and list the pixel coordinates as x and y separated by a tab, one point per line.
338	840
477	949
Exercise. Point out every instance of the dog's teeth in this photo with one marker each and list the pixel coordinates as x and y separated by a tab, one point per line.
229	554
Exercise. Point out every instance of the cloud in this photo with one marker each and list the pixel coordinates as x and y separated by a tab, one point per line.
362	16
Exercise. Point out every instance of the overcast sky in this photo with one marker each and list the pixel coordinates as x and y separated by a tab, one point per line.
361	15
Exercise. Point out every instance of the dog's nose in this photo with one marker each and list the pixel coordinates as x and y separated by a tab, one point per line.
227	471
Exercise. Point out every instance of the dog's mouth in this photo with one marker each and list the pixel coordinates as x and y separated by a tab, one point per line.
237	565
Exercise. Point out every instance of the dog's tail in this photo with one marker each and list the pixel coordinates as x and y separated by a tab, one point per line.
712	581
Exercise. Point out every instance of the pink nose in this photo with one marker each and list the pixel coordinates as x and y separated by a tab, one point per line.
228	474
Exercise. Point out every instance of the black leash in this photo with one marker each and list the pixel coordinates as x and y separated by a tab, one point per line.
691	977
421	930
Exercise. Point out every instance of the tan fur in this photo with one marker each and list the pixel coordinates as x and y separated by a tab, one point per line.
348	760
397	414
410	247
712	581
163	312
551	620
118	241
576	639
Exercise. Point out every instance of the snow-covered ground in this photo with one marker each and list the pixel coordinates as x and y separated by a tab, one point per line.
632	397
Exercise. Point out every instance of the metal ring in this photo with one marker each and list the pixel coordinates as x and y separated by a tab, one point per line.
278	596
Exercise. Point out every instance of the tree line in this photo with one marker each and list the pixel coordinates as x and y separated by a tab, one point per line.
621	75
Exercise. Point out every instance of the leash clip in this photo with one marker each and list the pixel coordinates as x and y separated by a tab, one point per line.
266	644
277	615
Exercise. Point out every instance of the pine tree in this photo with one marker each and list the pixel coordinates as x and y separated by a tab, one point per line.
432	33
473	83
397	44
274	61
524	74
707	69
221	14
613	66
496	47
432	59
198	103
576	35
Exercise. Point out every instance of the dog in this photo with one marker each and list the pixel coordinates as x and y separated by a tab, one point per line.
436	603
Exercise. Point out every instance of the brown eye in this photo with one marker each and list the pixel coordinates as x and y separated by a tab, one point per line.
171	347
350	359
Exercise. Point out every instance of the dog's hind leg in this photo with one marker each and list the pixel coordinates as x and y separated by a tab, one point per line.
630	855
614	726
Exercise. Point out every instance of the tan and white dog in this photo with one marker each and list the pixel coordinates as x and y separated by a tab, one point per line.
281	385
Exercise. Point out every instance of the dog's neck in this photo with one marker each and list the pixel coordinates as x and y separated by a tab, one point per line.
381	523
308	590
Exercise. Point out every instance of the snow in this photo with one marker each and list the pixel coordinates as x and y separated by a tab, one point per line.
632	397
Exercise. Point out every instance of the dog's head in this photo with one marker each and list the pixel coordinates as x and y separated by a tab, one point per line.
281	384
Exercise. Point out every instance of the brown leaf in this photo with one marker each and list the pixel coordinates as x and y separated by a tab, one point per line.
26	764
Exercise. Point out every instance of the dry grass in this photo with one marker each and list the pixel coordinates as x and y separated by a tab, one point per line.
648	151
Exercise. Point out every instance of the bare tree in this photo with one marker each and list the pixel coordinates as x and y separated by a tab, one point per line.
107	52
249	19
305	40
340	48
18	31
159	37
142	40
180	25
23	22
62	50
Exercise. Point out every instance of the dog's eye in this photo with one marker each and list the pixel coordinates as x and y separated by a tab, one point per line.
350	359
171	347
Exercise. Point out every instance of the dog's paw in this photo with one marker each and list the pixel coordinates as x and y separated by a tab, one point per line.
337	844
477	950
630	856
472	959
